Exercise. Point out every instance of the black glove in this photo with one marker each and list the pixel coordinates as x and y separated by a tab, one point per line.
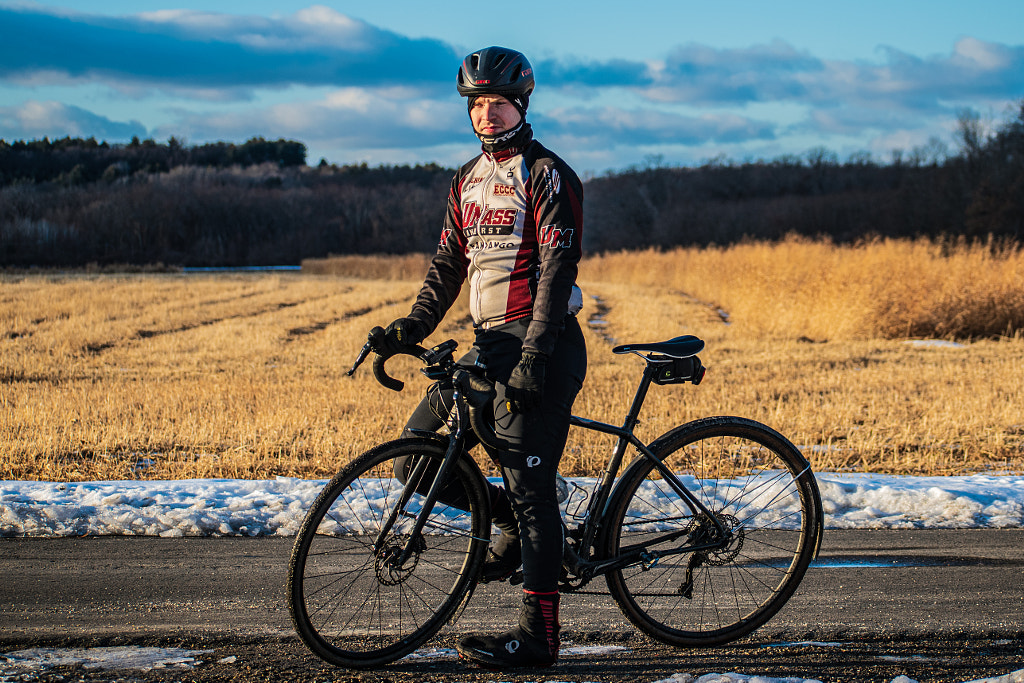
526	385
401	334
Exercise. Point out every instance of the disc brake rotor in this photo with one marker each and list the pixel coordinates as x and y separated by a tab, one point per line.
389	572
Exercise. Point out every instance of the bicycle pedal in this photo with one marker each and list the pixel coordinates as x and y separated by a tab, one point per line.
516	578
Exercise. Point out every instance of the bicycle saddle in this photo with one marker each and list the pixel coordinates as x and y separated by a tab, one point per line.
680	347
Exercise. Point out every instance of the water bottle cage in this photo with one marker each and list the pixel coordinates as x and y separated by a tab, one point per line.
678	370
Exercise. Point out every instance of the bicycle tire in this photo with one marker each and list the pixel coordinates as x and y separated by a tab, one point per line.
760	485
358	610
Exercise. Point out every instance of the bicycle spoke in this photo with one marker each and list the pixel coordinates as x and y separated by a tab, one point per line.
351	600
748	478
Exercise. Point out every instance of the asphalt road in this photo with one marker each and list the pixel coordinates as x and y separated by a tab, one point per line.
935	605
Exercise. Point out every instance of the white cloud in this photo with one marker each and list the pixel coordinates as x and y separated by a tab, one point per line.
37	119
617	126
971	52
347	117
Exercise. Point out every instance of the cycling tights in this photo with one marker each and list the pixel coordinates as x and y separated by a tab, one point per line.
529	467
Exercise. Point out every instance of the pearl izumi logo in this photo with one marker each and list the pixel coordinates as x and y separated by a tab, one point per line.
512	646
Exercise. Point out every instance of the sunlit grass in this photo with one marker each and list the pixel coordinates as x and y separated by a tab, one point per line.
182	376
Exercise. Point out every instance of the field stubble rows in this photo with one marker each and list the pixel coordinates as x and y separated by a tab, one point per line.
243	376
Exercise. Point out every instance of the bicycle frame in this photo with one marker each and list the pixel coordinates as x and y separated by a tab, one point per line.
596	507
582	566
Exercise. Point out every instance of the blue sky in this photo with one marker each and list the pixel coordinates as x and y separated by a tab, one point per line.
618	83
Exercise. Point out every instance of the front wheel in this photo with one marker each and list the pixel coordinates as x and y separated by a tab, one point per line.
762	492
353	601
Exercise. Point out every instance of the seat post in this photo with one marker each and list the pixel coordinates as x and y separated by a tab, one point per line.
629	423
641	394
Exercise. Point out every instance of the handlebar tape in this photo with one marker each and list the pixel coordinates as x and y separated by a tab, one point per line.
380	372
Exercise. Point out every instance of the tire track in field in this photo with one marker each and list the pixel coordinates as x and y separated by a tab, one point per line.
298	332
598	320
21	377
273	308
97	348
716	312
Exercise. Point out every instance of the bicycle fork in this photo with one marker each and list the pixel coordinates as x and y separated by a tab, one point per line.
415	543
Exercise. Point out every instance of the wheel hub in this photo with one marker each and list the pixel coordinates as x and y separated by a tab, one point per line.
387	563
733	542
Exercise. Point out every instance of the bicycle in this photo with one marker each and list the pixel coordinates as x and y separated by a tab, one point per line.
701	540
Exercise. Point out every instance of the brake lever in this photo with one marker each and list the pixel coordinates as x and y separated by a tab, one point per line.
371	340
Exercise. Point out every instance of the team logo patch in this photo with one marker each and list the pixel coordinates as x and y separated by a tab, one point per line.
555	237
474	214
504	190
552	182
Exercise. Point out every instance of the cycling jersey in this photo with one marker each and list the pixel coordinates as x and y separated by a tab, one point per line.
513	230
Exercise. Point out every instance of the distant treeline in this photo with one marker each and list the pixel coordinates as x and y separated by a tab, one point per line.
73	202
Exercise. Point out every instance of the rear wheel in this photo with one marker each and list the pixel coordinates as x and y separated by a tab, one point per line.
357	606
761	490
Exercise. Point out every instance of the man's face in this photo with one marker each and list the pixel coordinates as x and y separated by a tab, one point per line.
493	115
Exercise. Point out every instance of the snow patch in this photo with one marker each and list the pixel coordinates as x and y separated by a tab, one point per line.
934	344
40	659
236	507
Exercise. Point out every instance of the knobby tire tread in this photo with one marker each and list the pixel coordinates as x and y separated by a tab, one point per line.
728	596
473	484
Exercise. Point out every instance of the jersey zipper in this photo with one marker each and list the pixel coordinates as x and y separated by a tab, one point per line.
475	288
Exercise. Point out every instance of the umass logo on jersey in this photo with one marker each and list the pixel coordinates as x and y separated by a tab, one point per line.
487	221
555	237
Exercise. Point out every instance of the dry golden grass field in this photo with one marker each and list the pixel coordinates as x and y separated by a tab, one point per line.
172	376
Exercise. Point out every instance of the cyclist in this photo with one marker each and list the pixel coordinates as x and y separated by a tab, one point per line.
512	230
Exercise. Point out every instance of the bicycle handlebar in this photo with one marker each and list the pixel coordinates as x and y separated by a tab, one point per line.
478	392
373	341
479	395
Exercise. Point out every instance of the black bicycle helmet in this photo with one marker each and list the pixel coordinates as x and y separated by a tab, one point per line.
495	71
